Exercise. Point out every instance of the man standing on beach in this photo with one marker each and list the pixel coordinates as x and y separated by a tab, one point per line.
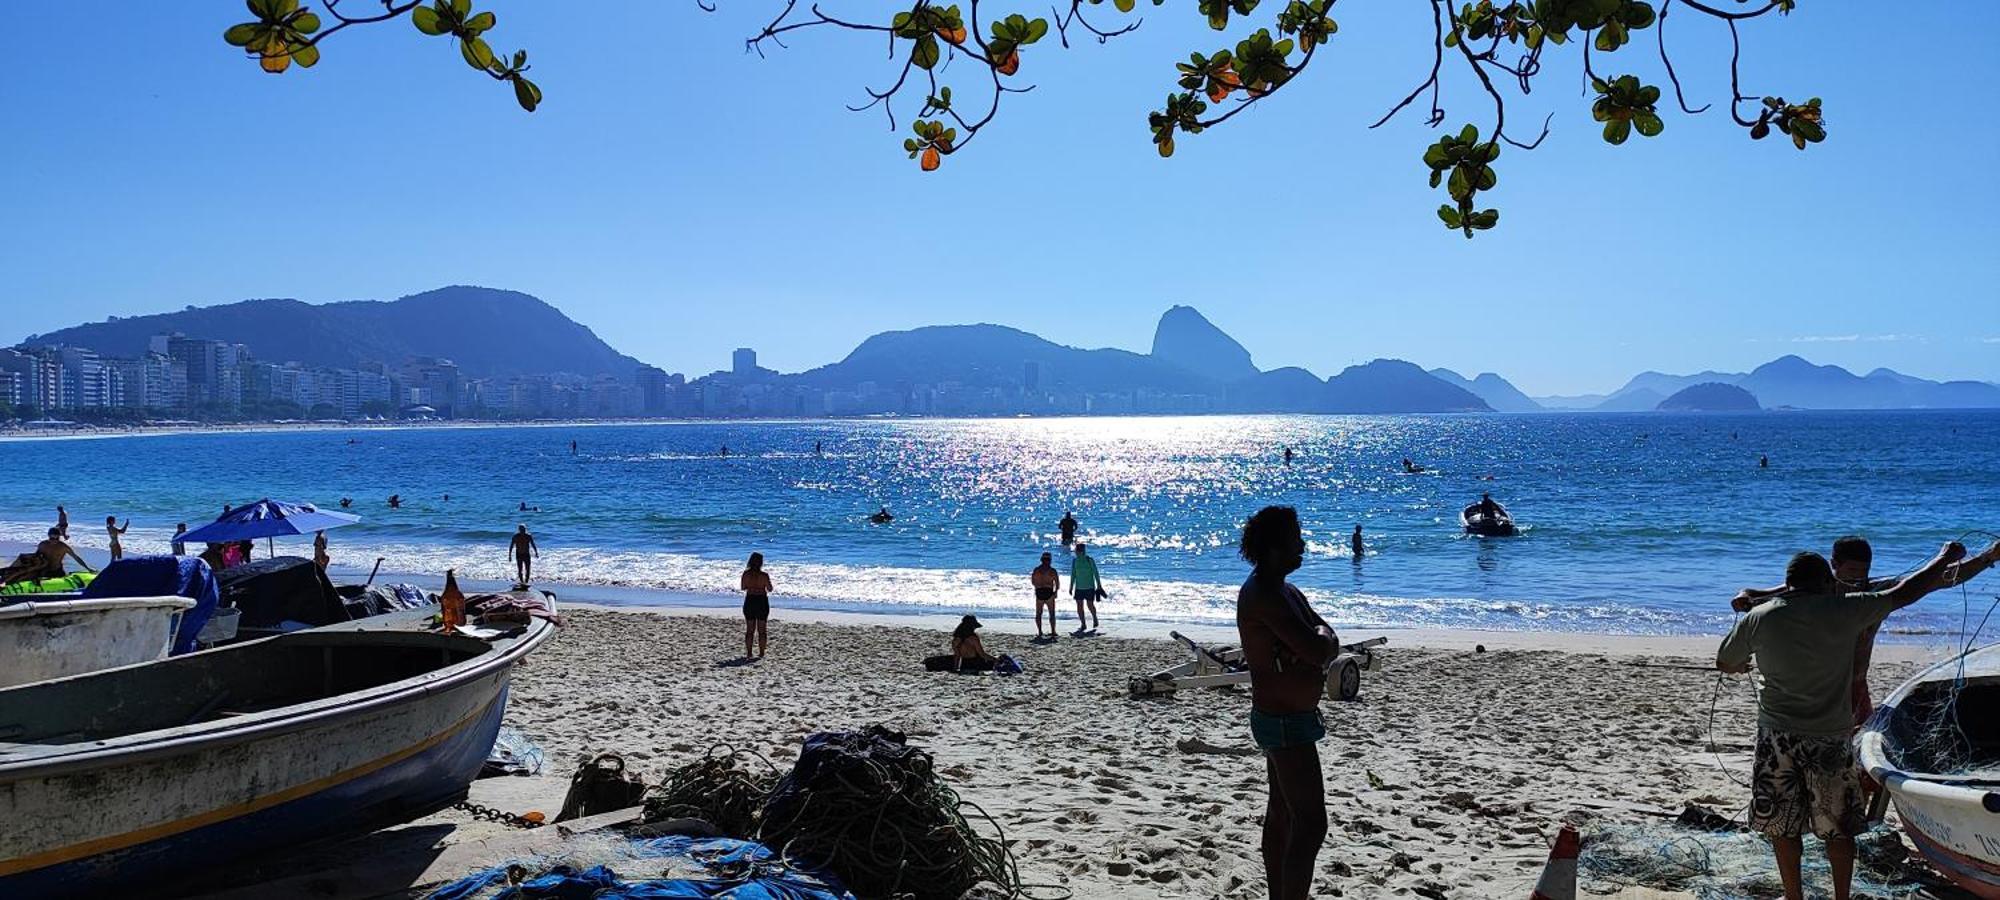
1852	557
1287	647
1804	777
524	551
1047	582
1083	582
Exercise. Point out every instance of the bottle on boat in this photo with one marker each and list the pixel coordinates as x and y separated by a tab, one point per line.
452	602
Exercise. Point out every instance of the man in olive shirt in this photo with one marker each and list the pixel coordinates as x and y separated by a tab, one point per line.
1287	647
1804	777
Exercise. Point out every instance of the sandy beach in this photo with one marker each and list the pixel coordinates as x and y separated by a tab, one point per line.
1446	779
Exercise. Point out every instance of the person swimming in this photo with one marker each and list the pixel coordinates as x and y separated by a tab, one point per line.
1068	527
1412	468
882	516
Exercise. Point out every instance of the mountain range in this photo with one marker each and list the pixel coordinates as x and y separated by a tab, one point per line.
497	333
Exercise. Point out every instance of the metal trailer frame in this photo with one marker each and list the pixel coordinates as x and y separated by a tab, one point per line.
1224	666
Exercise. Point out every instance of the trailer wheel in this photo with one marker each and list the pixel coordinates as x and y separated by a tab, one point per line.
1347	680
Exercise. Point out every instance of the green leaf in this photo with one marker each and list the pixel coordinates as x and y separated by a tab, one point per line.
305	55
480	22
305	23
1487	178
926	53
1468	134
426	20
1036	29
1451	219
1648	124
1126	6
462	7
476	53
1617	130
241	35
527	94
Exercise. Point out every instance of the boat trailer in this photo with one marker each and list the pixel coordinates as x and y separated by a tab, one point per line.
1224	666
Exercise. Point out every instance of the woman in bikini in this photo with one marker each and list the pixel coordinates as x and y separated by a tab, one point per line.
756	585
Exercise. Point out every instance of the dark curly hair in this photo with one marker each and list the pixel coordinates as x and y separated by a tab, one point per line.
1808	572
1271	527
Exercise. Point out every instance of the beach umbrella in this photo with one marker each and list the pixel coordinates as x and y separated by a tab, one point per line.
267	519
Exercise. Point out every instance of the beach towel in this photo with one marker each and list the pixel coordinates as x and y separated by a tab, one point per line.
67	584
731	869
163	576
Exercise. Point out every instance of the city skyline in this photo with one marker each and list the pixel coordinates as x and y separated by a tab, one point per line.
756	211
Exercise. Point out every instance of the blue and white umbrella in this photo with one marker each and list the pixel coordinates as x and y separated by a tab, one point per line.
267	519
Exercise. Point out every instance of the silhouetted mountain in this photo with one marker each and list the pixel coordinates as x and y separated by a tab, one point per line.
1187	339
1498	392
995	356
487	332
1710	396
1660	384
1635	400
1570	402
1392	385
1791	381
1286	390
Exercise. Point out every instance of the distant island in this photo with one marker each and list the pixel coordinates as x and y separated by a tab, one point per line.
478	353
1710	396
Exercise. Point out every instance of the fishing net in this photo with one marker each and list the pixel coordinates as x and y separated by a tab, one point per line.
1730	865
725	788
1931	729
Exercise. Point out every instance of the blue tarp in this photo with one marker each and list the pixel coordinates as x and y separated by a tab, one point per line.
163	576
739	870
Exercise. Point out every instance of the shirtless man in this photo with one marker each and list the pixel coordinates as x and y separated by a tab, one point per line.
62	521
1287	647
112	529
53	551
1047	582
524	551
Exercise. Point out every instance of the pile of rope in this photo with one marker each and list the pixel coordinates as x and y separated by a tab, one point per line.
723	788
869	809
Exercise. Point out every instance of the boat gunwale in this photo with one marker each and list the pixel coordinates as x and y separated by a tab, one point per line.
60	759
60	605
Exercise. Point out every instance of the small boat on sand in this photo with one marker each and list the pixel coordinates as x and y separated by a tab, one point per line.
1934	745
150	774
60	636
1496	523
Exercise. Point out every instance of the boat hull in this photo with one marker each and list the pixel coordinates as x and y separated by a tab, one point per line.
1953	819
163	817
60	637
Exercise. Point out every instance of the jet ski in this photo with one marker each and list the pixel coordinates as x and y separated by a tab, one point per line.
1498	524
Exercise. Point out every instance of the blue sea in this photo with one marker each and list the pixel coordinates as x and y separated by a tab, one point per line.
1642	523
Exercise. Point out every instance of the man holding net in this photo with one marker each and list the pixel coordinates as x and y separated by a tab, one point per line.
1803	642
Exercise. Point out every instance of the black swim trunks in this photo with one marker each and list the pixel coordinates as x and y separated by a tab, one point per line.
756	607
1045	595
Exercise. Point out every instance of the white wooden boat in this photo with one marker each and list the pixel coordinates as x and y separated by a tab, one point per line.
1947	717
61	636
153	774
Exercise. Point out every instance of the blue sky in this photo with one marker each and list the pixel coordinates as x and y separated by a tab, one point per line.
683	197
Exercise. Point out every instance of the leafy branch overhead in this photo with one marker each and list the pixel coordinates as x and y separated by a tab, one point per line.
286	32
1497	45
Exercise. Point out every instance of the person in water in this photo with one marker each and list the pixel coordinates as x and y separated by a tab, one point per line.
1852	558
1288	455
1287	647
882	516
114	531
967	651
572	448
1086	586
346	502
756	587
1763	462
1068	527
179	545
1803	777
1047	583
395	501
320	558
62	521
522	548
1354	544
1487	507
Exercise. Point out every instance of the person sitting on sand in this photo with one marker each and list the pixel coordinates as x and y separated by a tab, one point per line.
1287	647
522	548
1852	557
1068	528
1047	583
1803	774
967	651
1086	586
320	558
114	531
756	587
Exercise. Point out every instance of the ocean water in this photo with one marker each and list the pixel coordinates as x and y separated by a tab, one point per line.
1642	523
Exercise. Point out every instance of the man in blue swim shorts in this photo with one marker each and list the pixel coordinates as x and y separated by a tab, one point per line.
1287	647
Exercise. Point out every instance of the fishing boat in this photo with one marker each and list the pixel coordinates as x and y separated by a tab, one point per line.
158	773
1496	524
1934	745
57	636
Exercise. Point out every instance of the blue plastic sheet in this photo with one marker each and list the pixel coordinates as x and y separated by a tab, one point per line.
738	870
163	576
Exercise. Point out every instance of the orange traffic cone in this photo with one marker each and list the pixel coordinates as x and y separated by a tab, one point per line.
1558	880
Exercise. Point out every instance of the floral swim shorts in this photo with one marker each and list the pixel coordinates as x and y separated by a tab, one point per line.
1803	783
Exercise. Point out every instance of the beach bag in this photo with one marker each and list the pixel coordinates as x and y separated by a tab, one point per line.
601	785
1008	665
